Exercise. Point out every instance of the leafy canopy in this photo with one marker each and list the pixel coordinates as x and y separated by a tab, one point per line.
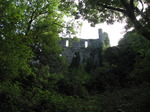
99	11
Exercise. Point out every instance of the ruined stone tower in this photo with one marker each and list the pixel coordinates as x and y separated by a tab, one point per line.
88	50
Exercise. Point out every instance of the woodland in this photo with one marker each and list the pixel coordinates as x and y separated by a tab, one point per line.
35	78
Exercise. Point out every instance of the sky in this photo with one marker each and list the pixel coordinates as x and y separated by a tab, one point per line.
115	31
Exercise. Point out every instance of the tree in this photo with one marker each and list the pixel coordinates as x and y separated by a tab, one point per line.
14	52
142	66
99	11
121	60
106	41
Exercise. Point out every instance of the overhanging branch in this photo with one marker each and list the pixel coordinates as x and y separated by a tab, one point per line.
125	4
112	8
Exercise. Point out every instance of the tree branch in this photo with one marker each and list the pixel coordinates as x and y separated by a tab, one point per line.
30	22
112	8
125	4
140	12
136	8
132	4
142	5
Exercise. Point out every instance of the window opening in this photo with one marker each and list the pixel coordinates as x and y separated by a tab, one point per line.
67	43
86	44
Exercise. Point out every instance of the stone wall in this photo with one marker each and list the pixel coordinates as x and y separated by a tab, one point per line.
88	49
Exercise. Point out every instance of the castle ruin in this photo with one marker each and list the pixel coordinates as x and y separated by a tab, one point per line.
87	50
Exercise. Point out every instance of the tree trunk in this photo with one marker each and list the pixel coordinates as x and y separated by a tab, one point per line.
138	26
141	29
130	13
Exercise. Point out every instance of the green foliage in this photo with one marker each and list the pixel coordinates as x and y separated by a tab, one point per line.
98	81
35	78
76	39
106	42
10	95
142	66
134	99
14	52
73	82
100	11
75	60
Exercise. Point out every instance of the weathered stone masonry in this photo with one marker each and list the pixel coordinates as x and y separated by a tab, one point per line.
88	49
